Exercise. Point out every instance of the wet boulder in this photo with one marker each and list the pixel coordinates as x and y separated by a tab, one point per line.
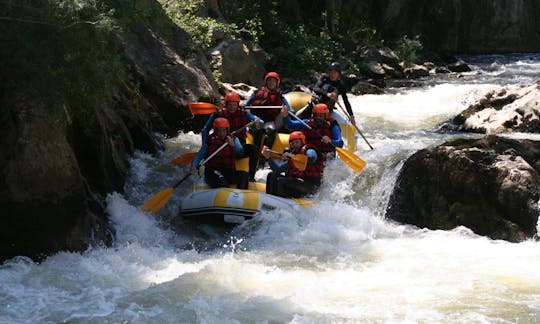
239	61
489	185
509	108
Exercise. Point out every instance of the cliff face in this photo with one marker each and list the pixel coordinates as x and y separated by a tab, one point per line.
453	26
58	163
482	26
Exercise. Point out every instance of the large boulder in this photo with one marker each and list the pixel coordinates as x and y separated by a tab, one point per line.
238	61
169	75
378	62
509	108
489	185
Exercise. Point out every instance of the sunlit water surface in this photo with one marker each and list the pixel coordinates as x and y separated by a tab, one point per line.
339	262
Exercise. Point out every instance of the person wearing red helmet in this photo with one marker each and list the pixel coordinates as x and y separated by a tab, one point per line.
286	180
220	171
238	117
321	125
269	95
328	88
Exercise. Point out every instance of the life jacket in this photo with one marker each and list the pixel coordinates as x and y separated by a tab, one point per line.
327	87
267	97
323	129
313	170
224	159
238	120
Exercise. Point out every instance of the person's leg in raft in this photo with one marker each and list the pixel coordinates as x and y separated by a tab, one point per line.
240	178
252	151
215	178
271	179
296	187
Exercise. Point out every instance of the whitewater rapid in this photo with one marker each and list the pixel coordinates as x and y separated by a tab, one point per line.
339	262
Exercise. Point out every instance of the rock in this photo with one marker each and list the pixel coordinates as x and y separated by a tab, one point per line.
167	81
378	62
45	200
243	90
366	87
489	185
416	71
459	67
57	162
238	61
510	108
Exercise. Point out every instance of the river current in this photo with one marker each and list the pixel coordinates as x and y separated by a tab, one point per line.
339	262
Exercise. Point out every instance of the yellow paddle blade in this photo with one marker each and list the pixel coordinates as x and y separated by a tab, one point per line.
201	108
184	160
242	164
351	159
157	202
300	161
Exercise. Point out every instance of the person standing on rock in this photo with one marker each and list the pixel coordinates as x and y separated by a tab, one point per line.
238	117
328	89
269	95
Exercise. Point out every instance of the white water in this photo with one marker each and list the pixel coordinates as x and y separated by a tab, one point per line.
340	262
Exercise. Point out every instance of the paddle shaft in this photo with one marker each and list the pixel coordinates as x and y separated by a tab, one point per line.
276	152
200	164
263	107
296	160
357	129
311	128
223	145
349	158
161	198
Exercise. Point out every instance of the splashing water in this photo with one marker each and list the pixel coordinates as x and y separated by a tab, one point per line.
340	261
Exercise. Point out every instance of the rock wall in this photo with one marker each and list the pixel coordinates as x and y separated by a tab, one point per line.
57	164
452	26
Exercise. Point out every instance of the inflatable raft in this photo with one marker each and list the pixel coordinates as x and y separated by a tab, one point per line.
231	206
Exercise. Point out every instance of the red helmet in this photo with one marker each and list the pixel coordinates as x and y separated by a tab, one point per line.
221	122
320	109
272	75
232	97
297	135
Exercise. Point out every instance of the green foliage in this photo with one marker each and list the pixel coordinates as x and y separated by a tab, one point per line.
295	48
299	51
59	51
367	35
408	48
184	14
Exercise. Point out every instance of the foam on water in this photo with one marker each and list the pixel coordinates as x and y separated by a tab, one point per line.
339	261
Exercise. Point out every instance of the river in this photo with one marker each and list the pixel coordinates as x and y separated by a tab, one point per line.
339	262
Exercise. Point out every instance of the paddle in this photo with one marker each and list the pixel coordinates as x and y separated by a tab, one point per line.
201	108
159	200
299	160
349	158
185	159
357	129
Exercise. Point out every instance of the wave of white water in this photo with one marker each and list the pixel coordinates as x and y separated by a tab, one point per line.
340	262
